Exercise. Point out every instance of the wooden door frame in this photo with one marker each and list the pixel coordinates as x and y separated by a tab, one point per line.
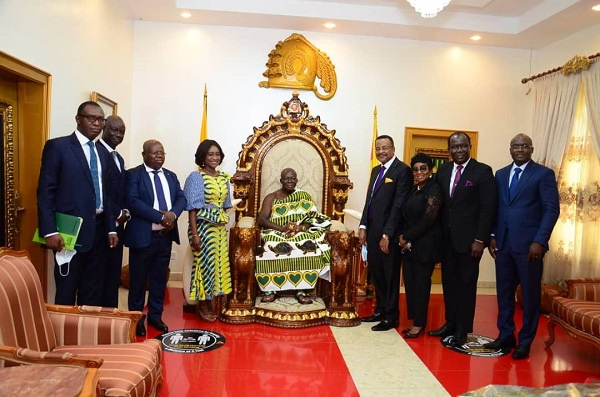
35	85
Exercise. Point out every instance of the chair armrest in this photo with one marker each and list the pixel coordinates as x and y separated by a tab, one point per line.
586	289
93	325
26	356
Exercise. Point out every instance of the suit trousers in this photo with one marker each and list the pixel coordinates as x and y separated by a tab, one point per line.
459	280
513	268
83	277
112	278
385	270
417	284
153	262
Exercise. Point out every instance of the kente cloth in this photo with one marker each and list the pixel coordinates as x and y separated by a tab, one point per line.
210	197
290	262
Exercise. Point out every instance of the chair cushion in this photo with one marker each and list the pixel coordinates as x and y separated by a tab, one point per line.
585	289
78	329
131	369
582	315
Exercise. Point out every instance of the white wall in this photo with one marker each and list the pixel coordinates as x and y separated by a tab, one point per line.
85	45
419	84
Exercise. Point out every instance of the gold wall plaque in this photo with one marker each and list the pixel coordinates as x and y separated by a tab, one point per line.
296	63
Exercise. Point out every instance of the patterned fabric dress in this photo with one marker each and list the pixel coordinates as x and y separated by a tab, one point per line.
210	196
295	261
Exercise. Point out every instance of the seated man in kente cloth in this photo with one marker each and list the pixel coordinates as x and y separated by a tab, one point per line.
294	249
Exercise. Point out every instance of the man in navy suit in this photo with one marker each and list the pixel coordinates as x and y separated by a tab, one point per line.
155	200
467	216
72	181
528	208
389	184
112	136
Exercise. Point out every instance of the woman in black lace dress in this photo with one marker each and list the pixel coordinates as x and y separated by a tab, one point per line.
420	241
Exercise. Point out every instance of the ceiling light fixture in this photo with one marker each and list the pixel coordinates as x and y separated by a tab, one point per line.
185	14
329	25
428	8
596	7
476	37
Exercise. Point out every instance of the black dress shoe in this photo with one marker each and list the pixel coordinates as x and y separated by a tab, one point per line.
158	324
458	340
442	332
385	325
498	343
521	352
372	319
140	330
408	335
405	330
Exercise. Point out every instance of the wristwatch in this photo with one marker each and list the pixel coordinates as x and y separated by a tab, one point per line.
385	236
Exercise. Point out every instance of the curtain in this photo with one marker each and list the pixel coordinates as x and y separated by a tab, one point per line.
555	98
574	243
591	79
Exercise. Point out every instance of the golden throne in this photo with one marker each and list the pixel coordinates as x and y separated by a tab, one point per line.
292	139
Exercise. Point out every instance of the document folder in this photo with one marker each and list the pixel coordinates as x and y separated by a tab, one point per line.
68	227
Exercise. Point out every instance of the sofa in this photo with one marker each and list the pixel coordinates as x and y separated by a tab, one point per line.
579	313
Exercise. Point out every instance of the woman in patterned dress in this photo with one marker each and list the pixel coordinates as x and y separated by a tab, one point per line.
208	195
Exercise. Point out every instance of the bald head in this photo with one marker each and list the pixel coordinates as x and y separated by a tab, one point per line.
114	131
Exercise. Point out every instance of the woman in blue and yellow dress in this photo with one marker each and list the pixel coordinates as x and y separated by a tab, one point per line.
208	196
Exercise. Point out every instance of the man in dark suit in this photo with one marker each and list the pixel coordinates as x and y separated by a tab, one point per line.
72	181
390	182
155	200
112	136
528	208
467	216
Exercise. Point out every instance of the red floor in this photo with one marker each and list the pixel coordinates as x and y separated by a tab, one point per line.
268	361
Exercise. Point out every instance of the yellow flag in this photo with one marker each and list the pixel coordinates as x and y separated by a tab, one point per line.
374	161
203	129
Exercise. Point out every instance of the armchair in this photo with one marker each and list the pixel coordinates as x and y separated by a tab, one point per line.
32	332
297	140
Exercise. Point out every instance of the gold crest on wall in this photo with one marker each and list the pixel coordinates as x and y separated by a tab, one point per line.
296	63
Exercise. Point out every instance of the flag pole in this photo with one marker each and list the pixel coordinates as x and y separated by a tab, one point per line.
203	128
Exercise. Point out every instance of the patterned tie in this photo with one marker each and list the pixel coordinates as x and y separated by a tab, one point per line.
94	171
456	179
512	190
160	193
378	180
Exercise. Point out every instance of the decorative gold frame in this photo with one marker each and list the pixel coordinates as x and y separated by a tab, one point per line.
105	102
433	142
10	200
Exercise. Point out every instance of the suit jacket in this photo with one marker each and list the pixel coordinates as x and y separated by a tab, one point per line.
116	179
532	213
469	214
139	197
386	202
66	186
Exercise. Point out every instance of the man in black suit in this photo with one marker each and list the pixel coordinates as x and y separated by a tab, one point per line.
390	182
155	199
528	208
112	136
72	181
468	213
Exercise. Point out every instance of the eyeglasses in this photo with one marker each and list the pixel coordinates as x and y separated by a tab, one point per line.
93	119
157	153
523	146
383	148
422	168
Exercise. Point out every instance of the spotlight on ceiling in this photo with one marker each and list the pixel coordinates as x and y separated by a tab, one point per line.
428	8
186	14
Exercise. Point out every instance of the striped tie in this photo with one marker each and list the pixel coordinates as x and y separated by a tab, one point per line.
94	171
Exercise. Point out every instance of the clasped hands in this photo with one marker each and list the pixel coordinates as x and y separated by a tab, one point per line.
168	220
293	228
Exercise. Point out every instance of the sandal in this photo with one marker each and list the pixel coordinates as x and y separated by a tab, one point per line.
268	297
303	298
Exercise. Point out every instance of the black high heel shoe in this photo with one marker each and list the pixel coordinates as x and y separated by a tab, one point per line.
405	330
408	335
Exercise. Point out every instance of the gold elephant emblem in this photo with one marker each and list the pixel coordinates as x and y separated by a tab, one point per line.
296	63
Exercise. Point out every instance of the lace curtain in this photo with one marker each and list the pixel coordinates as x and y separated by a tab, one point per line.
574	249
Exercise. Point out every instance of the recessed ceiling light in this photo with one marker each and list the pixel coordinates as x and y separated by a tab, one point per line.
186	14
475	37
329	25
596	7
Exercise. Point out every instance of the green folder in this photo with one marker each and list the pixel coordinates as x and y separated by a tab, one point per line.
68	227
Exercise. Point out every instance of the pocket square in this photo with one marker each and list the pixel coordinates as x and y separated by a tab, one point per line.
388	180
468	184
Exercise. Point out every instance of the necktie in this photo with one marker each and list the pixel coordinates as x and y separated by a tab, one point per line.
160	193
378	180
116	159
512	190
94	171
456	179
